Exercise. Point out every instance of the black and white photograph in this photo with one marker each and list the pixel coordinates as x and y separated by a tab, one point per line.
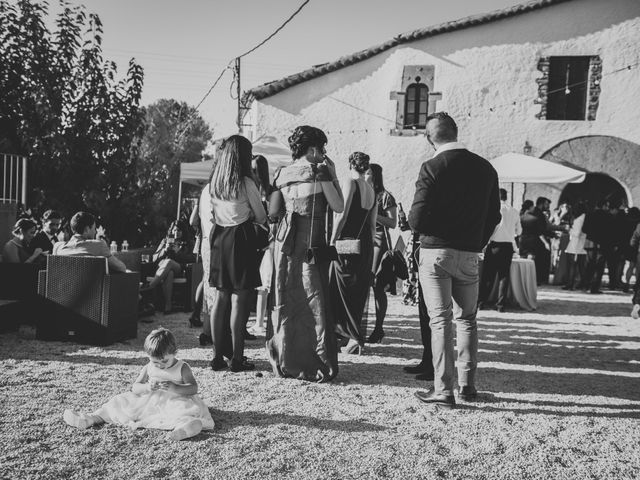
320	239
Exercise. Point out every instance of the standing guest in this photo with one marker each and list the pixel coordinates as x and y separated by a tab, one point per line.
635	244
614	253
48	236
424	369
575	252
562	220
260	169
236	206
172	254
386	218
194	221
498	254
455	209
534	238
301	340
84	243
17	250
350	276
631	251
597	227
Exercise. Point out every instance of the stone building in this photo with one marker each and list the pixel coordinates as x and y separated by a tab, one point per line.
557	78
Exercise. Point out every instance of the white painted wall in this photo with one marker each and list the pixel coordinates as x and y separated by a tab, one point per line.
491	65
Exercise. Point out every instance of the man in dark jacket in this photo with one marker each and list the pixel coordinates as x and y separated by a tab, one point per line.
455	210
47	237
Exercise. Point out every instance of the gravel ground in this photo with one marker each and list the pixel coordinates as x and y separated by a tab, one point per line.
560	399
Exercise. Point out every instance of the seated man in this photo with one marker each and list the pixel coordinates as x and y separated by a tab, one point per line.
84	243
48	236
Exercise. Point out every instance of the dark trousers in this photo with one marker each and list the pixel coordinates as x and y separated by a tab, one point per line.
531	245
425	331
614	261
594	269
575	266
497	261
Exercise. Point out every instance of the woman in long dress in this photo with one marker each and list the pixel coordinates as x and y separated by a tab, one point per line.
301	341
351	277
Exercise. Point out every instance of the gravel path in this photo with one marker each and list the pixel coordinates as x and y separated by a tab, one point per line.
560	398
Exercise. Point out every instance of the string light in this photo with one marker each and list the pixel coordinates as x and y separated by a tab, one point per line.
399	128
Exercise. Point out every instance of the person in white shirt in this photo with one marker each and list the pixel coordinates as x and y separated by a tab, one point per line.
498	254
575	251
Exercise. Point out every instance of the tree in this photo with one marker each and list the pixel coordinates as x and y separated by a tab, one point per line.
174	132
62	107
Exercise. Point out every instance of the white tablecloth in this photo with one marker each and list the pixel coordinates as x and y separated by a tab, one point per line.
523	289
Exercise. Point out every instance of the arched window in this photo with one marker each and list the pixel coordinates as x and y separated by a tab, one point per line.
416	104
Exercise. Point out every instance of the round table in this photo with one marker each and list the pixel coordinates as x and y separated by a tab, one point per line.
523	289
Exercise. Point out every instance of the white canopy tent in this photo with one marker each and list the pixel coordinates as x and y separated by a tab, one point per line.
197	173
519	168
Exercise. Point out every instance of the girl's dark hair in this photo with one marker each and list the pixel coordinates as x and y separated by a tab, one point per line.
233	163
579	208
303	138
160	342
526	205
23	225
359	162
261	173
376	176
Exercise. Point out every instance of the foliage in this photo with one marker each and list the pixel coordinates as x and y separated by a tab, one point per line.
62	106
174	132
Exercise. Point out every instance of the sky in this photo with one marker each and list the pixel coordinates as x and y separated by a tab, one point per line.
183	45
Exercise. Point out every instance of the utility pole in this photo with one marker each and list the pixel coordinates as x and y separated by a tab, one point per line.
239	121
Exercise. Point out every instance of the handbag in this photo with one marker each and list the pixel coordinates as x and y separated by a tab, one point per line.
350	246
323	253
400	269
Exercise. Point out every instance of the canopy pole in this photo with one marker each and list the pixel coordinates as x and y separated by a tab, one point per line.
512	194
179	200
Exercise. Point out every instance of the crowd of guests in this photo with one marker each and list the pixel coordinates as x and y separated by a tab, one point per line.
578	241
311	247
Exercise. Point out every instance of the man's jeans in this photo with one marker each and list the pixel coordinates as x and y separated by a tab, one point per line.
449	275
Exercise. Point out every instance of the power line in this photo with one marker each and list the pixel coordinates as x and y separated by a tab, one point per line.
276	31
179	136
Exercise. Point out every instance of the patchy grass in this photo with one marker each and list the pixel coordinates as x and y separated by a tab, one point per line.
560	399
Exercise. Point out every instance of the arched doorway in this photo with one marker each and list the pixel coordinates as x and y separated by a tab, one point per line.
595	188
612	164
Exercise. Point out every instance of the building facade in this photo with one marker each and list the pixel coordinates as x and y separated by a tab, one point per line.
558	78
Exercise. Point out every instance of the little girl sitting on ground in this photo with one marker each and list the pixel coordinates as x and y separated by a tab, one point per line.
164	396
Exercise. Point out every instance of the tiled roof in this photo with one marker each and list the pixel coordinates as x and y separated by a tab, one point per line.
271	88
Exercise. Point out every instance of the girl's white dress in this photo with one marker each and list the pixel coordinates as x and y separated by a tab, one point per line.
157	409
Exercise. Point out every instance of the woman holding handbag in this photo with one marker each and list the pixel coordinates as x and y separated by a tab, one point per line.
353	233
301	341
386	218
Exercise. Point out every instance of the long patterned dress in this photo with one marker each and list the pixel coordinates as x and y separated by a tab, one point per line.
301	340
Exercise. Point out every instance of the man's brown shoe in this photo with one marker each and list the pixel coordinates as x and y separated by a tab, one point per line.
433	398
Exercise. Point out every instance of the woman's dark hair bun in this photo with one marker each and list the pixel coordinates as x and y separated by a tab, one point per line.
359	162
304	137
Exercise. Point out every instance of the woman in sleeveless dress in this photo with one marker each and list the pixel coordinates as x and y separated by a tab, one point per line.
351	277
301	340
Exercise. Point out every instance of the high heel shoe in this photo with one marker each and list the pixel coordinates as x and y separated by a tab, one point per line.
376	336
354	348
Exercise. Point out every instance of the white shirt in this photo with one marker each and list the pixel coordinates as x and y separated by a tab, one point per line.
204	211
248	205
509	227
449	146
577	238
